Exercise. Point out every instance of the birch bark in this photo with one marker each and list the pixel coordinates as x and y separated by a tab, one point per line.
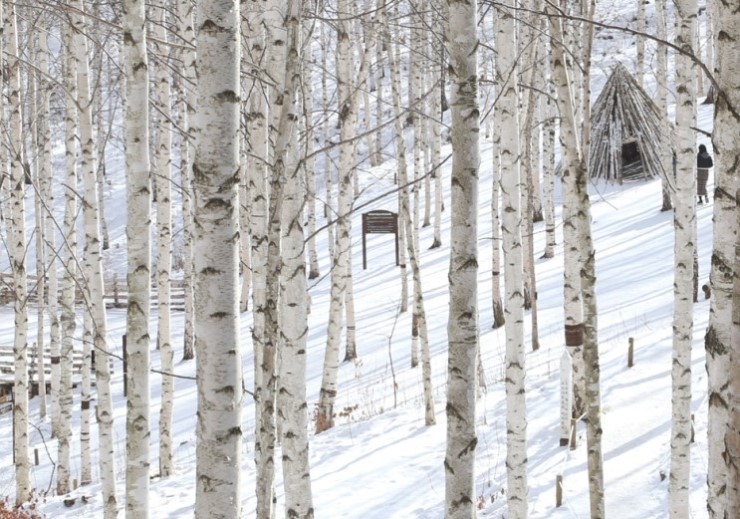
187	113
215	178
293	293
685	225
163	175
722	355
462	327
17	241
138	231
67	299
511	190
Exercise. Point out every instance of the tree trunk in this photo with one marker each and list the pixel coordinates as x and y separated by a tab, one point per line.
164	246
511	189
136	135
722	352
661	77
684	222
293	297
187	112
462	327
47	186
216	262
67	297
17	241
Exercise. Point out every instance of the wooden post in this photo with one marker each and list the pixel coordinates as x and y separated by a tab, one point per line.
631	353
36	457
692	428
566	397
558	490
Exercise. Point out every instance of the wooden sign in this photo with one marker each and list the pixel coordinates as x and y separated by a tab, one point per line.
566	397
378	222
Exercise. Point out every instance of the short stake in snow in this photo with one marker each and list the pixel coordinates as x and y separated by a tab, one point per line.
558	491
631	353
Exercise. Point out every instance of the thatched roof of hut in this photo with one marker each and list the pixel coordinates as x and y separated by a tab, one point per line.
630	139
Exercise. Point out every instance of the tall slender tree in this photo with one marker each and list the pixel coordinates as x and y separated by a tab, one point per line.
163	175
685	233
138	181
512	219
17	241
723	446
67	299
215	180
462	326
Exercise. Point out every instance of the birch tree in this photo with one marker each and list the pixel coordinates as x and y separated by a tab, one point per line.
40	190
462	326
661	77
684	224
215	179
341	268
17	241
187	102
136	135
293	293
163	175
575	149
419	319
511	189
93	267
67	299
721	343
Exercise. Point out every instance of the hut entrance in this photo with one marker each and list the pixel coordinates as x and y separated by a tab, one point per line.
631	159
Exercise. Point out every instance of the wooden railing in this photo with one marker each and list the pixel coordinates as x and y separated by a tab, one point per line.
116	292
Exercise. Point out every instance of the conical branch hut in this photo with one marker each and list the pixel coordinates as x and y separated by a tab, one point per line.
630	139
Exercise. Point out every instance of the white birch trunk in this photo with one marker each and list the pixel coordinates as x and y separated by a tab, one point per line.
684	223
39	176
215	177
462	327
721	358
732	434
293	409
328	392
436	127
17	246
67	296
549	113
592	368
661	77
45	88
164	246
86	399
348	100
419	319
511	189
138	232
93	266
572	300
188	101
310	167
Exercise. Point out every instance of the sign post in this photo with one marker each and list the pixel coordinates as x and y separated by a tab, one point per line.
378	222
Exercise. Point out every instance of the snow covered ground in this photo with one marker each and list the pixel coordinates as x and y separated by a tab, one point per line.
381	462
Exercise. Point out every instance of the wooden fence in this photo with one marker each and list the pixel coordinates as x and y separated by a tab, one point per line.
116	292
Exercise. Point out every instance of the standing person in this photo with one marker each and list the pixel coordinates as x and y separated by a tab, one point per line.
703	163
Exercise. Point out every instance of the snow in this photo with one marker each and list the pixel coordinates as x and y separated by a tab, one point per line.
380	461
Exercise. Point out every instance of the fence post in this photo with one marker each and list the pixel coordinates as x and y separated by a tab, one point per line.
631	353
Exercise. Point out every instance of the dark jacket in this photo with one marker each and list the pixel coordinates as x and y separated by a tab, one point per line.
704	159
